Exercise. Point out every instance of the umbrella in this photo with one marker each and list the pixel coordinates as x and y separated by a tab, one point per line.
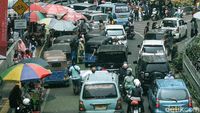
22	72
73	16
34	16
38	61
37	7
62	25
55	9
46	21
196	15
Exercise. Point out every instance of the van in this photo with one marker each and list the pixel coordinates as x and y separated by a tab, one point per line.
100	94
119	11
169	96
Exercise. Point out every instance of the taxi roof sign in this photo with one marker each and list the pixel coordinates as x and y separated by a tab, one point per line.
20	7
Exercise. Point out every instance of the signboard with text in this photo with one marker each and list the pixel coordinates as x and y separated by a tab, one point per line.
20	7
20	24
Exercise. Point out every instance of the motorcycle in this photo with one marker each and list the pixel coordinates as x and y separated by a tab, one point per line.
135	105
25	107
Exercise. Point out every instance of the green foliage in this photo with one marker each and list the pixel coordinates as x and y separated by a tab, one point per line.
177	62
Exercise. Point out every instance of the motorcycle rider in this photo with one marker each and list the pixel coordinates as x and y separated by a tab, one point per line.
123	72
128	80
154	13
74	72
169	76
136	92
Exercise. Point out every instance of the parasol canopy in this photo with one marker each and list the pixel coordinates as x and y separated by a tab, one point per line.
22	72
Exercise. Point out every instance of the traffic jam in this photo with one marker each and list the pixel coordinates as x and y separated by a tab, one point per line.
93	50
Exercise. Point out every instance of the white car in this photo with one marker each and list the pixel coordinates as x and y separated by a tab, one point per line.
177	25
116	32
152	47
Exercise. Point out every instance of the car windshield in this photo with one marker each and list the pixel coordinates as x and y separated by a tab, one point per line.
100	17
173	94
153	49
99	91
169	23
115	32
154	36
155	67
111	57
121	9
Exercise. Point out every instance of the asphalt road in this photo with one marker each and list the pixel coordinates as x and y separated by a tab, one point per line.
62	99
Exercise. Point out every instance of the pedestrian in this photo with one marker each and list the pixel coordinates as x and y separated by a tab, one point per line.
74	72
194	27
21	47
154	25
169	76
146	29
16	58
81	50
136	12
15	98
32	46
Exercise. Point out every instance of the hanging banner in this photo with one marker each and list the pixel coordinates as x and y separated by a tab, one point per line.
3	26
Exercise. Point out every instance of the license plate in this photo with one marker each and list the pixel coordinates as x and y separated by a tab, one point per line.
173	109
121	16
100	107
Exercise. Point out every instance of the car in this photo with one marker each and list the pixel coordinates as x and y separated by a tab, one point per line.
169	96
120	11
177	25
83	6
151	67
159	34
152	47
116	32
112	56
94	18
100	94
63	2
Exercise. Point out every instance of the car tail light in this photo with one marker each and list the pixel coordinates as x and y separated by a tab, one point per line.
81	106
119	104
177	30
190	102
157	103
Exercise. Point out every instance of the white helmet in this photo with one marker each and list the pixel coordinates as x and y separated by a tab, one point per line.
26	101
137	82
125	65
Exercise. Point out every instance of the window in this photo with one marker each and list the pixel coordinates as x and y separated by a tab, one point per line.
56	64
169	23
112	57
153	49
115	32
121	9
152	36
100	17
99	91
173	94
161	67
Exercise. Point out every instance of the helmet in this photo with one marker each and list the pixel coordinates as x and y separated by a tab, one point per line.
125	65
26	101
137	82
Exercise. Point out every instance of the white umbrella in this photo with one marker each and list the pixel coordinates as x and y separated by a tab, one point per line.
197	15
62	25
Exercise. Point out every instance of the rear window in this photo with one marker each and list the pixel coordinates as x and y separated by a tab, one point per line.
115	32
173	94
99	91
100	17
56	64
153	49
121	9
161	67
154	36
169	23
79	7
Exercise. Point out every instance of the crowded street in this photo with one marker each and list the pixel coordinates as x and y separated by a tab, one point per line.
100	56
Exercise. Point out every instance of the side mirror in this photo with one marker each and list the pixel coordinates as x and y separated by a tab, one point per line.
135	62
129	53
139	46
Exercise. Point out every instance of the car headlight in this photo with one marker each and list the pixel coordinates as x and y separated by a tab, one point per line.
146	74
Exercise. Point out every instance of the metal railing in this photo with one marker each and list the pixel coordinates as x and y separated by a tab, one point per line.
192	76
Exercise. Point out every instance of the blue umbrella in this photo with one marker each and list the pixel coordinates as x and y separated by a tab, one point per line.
62	25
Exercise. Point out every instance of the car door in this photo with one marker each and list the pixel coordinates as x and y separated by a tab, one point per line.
152	96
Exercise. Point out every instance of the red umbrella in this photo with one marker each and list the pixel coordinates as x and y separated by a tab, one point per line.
37	7
34	16
73	16
55	9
